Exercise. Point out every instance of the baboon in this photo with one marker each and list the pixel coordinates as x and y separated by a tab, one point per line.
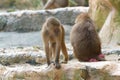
85	40
52	4
53	39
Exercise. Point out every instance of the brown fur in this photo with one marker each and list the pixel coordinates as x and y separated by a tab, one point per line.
52	4
53	38
84	39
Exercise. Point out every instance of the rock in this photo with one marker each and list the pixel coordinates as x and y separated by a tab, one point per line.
72	71
107	14
109	33
19	55
3	22
30	55
112	54
29	63
98	13
36	56
115	50
29	20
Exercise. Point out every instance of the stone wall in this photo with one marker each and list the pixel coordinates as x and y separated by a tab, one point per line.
29	20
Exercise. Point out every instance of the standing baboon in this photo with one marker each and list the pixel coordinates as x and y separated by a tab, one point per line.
85	40
52	4
53	38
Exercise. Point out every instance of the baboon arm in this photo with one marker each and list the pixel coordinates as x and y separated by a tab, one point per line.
58	46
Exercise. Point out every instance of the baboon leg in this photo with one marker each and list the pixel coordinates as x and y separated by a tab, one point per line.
53	46
63	46
47	49
58	46
64	51
50	52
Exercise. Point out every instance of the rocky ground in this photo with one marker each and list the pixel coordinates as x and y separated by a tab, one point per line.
29	63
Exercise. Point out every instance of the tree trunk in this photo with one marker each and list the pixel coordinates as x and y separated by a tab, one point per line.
110	11
98	12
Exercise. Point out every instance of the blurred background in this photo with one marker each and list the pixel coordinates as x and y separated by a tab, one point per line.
12	5
20	23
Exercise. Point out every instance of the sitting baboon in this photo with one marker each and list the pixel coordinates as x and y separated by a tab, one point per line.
53	38
85	40
52	4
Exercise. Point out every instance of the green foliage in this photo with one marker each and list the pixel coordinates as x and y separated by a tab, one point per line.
116	4
100	18
64	77
20	4
117	19
36	3
101	14
77	75
72	3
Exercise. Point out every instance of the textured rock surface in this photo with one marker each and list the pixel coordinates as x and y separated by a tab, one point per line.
110	32
3	22
28	20
30	64
98	12
71	71
31	55
35	55
107	15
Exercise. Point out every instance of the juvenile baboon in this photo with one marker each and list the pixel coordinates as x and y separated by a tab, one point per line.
85	40
52	4
53	39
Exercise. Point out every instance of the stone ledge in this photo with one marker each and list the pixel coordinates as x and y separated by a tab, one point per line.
35	55
74	70
32	20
